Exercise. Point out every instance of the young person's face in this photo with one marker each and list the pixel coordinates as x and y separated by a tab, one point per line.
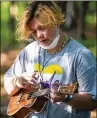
45	35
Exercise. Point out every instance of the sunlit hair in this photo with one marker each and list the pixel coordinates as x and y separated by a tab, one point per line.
47	15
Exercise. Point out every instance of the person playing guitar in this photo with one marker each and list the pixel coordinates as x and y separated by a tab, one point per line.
54	76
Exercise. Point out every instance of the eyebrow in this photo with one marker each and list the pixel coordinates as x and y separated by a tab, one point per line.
41	26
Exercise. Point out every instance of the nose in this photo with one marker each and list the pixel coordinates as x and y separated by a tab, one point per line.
39	34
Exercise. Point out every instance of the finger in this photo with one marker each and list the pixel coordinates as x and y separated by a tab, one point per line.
33	81
56	98
52	101
23	86
35	75
53	97
26	84
30	86
34	88
54	89
53	94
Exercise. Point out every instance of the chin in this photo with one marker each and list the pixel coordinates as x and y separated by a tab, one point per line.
44	44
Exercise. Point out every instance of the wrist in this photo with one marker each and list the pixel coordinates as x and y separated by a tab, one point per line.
15	83
15	87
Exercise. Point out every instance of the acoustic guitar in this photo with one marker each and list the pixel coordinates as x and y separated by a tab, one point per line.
24	102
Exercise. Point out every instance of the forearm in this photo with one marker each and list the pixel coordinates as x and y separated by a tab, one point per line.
83	102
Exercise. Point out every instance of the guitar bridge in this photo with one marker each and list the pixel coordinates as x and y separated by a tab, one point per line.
19	98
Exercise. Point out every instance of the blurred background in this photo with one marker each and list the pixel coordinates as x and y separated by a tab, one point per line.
80	24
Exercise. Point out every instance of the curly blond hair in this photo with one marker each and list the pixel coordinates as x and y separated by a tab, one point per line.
47	13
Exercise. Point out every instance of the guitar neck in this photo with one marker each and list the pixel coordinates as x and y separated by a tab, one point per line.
67	89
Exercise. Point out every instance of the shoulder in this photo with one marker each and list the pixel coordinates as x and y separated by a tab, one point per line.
29	49
32	45
80	53
86	56
76	47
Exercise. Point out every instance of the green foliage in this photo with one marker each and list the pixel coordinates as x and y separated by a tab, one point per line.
90	44
4	11
21	7
91	19
92	5
93	50
6	32
4	22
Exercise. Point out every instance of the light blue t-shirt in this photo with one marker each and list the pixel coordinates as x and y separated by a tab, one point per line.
74	63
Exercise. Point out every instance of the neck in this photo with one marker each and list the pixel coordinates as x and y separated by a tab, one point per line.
59	45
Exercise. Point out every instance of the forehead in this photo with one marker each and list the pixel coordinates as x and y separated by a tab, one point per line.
34	24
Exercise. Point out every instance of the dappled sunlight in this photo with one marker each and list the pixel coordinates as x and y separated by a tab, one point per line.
7	59
3	58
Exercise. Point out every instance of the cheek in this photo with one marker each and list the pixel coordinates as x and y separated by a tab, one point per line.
50	34
46	34
53	32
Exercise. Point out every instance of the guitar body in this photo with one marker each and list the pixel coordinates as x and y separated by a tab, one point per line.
21	104
22	113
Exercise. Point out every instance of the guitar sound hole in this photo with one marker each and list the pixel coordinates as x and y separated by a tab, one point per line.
29	95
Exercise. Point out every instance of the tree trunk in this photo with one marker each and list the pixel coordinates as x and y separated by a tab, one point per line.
83	11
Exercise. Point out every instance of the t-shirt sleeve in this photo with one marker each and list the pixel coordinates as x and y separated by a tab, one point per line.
86	73
15	70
